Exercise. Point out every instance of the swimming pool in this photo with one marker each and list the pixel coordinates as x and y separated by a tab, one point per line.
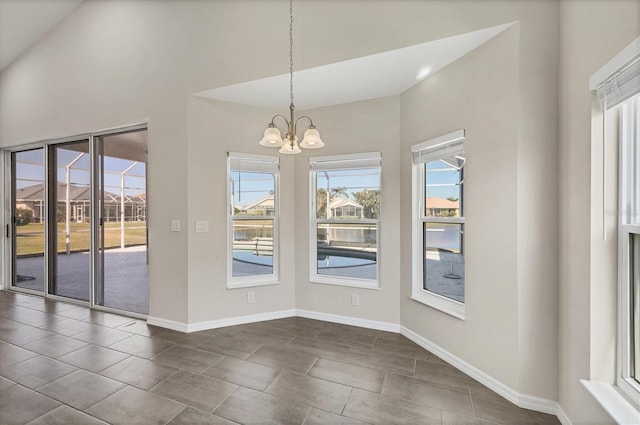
325	262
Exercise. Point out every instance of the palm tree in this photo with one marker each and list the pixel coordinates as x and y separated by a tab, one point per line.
321	202
339	192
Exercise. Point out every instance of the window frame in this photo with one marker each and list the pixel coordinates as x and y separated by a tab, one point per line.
263	279
341	162
629	165
418	292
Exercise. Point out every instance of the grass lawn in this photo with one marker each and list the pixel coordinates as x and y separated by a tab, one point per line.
30	238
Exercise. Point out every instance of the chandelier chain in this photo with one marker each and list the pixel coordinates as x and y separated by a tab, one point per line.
291	50
272	135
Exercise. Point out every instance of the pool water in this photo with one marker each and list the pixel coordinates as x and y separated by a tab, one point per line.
327	261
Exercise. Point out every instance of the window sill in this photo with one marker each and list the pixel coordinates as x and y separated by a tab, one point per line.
250	284
452	308
336	281
613	402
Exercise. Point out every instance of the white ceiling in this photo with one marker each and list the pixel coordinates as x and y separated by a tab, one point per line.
24	22
369	77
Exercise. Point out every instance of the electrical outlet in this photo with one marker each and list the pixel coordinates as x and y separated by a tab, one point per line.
355	299
175	225
251	297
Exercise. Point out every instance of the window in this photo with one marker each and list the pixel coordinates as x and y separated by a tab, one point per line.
345	219
253	220
617	86
439	224
629	248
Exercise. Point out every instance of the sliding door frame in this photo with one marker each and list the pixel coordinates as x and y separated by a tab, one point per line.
10	222
51	250
96	251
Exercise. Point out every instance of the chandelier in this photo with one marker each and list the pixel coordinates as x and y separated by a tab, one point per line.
272	136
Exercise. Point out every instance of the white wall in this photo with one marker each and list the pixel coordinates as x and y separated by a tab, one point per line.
504	95
216	128
537	216
592	32
455	99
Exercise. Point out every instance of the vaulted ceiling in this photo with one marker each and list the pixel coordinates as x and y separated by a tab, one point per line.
24	22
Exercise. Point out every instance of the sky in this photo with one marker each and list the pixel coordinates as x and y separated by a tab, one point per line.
248	187
440	173
30	171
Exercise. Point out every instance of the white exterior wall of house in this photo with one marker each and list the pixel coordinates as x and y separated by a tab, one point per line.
345	208
116	63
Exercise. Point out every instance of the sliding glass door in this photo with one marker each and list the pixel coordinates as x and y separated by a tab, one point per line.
122	267
70	218
79	220
28	213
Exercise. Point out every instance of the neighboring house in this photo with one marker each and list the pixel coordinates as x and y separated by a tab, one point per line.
32	198
264	206
441	207
345	208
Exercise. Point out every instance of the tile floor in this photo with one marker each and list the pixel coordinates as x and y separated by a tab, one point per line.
64	364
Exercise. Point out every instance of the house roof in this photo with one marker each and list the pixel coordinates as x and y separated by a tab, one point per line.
36	193
341	202
442	203
267	201
76	193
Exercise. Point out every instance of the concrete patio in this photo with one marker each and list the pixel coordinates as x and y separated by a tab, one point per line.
126	277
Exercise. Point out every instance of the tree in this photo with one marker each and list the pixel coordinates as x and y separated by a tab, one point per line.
338	192
452	199
321	198
23	216
61	214
370	201
321	202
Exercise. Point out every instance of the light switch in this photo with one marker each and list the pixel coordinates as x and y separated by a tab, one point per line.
175	225
202	226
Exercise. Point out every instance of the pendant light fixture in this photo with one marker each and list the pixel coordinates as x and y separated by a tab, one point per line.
272	136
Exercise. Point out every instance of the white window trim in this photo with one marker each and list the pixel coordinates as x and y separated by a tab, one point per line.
628	165
360	158
418	293
611	400
257	280
621	400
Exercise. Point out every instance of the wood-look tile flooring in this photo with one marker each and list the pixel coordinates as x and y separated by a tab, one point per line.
65	364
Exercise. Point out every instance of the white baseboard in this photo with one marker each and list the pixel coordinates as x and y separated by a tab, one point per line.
562	416
169	324
239	320
538	404
348	320
521	400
